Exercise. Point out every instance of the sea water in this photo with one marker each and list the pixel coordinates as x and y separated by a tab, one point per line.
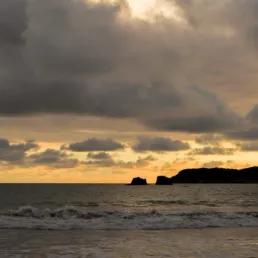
83	220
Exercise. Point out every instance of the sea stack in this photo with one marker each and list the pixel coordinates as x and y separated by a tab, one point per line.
163	180
139	181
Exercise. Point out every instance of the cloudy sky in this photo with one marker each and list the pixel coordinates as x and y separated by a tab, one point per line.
102	91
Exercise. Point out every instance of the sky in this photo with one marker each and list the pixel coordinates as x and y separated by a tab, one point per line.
103	91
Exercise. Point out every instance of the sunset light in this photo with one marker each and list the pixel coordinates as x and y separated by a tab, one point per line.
128	128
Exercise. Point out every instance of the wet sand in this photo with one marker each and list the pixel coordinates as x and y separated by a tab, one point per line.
185	243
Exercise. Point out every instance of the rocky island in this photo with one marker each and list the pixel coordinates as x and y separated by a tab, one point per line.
207	176
163	180
139	181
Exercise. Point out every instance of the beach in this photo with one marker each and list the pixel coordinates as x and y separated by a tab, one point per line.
184	221
185	243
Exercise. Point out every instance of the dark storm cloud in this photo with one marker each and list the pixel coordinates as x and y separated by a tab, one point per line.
213	151
12	22
72	57
95	144
89	40
159	144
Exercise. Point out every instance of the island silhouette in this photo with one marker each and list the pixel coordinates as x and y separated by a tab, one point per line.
207	176
139	181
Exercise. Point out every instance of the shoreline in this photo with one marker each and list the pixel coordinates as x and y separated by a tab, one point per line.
181	243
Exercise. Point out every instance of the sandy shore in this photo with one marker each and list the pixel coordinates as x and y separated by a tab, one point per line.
211	242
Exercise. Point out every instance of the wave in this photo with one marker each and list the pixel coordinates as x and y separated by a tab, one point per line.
177	202
74	203
165	202
72	218
208	203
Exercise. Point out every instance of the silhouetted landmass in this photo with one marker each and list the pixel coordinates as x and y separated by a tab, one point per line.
206	176
217	175
139	181
163	180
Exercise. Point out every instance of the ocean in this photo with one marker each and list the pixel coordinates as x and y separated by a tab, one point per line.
86	220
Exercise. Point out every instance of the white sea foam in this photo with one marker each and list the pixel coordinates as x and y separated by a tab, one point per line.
72	218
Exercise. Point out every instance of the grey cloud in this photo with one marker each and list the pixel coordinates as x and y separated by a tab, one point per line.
118	100
95	144
133	99
4	143
17	154
100	163
140	162
213	151
110	162
100	155
252	116
13	153
47	157
28	145
198	124
250	131
35	97
216	117
69	56
68	45
253	146
209	139
247	26
159	144
213	164
244	135
53	158
101	159
89	39
12	22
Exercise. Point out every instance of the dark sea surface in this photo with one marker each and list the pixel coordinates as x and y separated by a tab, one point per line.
80	220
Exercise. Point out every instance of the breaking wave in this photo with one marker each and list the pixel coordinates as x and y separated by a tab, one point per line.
72	218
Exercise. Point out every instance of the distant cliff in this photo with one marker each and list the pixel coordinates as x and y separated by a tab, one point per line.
217	175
